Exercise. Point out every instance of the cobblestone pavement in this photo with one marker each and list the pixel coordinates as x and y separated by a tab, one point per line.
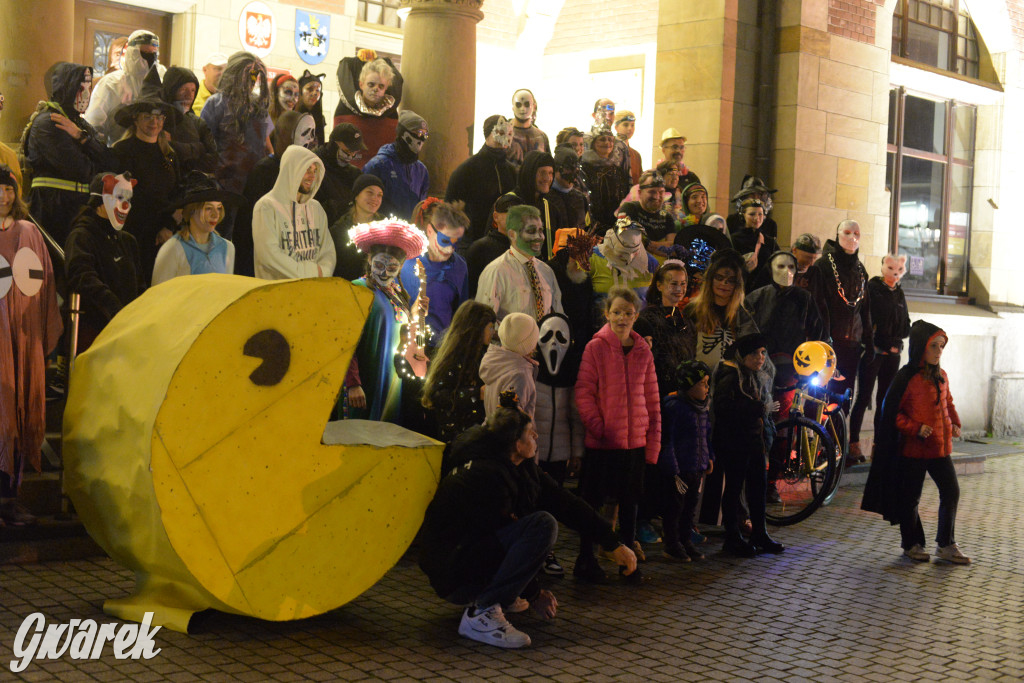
841	604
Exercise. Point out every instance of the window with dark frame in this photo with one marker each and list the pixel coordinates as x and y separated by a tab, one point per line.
938	33
382	12
930	173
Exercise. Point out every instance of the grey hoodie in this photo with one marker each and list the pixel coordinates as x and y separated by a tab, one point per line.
290	235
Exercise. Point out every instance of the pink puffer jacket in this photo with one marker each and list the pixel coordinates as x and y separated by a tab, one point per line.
617	395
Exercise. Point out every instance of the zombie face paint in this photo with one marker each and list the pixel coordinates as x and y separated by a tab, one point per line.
783	270
288	94
523	106
530	240
373	89
345	156
849	236
893	268
117	199
384	268
84	91
501	134
305	133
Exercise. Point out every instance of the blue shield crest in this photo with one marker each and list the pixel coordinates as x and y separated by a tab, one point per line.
312	33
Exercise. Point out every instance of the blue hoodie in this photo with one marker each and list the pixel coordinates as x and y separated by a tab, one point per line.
405	185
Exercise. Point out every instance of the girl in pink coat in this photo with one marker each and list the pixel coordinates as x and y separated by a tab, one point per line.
617	397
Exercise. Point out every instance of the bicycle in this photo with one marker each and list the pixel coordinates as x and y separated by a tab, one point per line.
815	442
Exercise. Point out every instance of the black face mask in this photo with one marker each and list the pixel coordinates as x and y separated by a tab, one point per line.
148	57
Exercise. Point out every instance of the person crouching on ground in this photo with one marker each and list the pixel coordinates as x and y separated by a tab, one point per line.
686	455
740	420
915	436
618	401
493	521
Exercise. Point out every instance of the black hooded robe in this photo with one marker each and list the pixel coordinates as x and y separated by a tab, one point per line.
193	143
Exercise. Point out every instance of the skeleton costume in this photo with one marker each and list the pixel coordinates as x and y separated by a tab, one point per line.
30	326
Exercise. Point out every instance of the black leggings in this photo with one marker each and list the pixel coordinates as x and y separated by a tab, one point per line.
912	471
743	466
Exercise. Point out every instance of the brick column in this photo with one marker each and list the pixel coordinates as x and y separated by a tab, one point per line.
831	121
33	35
439	69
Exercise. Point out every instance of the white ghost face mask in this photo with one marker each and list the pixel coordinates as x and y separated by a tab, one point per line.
84	91
305	133
893	268
783	270
555	338
117	198
502	133
849	236
523	106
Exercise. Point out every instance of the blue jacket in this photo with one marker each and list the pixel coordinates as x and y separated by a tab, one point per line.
405	185
685	436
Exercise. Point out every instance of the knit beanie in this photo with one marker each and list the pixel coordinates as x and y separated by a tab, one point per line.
364	181
748	343
519	333
689	372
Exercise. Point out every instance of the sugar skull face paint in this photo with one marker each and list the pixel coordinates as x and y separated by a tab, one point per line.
524	106
530	240
849	236
384	268
117	198
288	94
84	91
305	133
502	133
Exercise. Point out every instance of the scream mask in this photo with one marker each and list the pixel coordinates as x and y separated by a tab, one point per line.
529	240
384	268
893	268
849	236
524	106
305	132
501	134
555	339
84	90
117	197
783	269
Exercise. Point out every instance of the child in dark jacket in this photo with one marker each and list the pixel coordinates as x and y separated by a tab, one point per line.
741	413
686	455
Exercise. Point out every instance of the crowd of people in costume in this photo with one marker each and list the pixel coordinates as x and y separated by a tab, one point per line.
564	312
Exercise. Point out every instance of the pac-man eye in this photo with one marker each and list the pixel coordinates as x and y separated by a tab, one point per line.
273	349
27	271
6	276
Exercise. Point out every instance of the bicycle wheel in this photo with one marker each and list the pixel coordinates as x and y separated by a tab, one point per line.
842	447
809	465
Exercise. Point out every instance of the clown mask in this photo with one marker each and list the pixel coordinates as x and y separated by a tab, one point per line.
783	269
117	198
554	341
501	134
384	268
84	90
305	133
893	269
530	238
849	236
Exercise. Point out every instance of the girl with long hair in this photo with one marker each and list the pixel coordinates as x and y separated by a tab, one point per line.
717	312
452	391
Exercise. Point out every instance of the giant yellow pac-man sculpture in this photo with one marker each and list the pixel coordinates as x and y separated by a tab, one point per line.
196	452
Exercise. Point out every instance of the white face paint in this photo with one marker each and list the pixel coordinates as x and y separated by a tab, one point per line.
288	95
554	342
783	271
305	133
84	90
849	236
384	268
118	202
346	157
501	134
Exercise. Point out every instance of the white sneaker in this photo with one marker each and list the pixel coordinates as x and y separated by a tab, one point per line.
917	553
951	553
491	627
520	605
